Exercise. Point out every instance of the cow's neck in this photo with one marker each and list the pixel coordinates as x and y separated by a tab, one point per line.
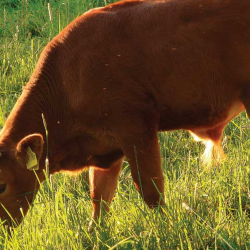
26	117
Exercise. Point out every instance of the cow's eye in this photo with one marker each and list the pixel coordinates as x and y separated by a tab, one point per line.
2	188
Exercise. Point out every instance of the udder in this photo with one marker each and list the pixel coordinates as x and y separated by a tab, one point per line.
212	136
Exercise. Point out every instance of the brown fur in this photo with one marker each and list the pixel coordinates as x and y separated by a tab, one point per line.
115	77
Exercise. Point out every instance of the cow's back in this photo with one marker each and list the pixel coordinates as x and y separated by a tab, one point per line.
169	55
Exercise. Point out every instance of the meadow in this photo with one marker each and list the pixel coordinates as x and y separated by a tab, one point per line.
206	207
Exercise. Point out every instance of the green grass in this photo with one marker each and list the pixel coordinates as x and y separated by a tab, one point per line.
218	197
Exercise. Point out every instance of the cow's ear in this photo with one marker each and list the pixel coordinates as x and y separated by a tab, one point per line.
29	151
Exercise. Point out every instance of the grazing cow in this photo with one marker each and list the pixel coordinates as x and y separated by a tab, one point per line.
115	77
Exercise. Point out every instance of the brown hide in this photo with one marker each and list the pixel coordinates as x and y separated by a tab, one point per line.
115	77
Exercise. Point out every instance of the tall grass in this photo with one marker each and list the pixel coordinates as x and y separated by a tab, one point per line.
207	208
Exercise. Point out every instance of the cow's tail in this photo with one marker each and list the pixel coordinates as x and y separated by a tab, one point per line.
213	152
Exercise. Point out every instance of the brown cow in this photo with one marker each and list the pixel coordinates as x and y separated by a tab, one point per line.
115	77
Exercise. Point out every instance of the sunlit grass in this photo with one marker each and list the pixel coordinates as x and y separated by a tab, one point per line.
219	196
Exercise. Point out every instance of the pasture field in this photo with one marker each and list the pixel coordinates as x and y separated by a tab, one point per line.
216	214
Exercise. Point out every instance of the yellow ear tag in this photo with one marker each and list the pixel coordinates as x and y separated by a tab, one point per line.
32	163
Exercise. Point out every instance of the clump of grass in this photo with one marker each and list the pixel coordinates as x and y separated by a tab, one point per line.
59	217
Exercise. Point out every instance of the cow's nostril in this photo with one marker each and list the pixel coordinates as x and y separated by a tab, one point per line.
2	188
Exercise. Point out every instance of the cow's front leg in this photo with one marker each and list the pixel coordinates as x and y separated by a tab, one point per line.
103	184
143	154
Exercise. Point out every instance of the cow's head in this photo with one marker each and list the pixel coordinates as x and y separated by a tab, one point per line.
18	182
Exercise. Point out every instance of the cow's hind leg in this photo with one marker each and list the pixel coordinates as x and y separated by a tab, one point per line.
103	184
